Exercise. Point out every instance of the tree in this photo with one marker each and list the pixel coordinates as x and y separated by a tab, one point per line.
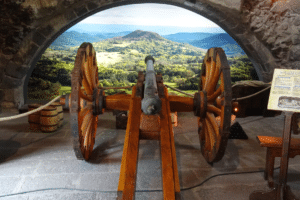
132	76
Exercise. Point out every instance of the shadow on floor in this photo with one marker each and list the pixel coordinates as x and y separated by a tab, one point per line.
107	148
13	150
231	159
106	123
8	148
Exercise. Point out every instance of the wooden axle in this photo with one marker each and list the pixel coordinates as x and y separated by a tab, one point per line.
121	102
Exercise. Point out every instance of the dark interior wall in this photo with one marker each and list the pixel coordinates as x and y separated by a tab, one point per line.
267	30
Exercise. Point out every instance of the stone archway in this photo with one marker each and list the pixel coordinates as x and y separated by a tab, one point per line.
243	20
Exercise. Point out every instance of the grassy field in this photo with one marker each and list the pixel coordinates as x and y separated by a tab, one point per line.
174	85
124	44
64	89
107	58
67	89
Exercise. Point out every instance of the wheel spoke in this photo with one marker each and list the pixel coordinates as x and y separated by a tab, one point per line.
207	137
86	70
86	85
217	93
213	81
89	69
212	108
211	77
85	97
212	135
207	74
86	121
87	134
213	122
81	115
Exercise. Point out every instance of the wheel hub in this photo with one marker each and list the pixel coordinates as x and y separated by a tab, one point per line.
200	104
98	101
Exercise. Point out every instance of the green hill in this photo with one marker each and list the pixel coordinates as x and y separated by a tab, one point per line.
187	37
142	35
120	58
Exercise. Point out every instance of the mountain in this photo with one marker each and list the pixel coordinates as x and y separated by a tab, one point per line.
141	35
118	34
233	50
219	40
214	41
162	30
74	38
187	37
201	40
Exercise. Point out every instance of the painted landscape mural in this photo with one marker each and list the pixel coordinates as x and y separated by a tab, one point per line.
121	54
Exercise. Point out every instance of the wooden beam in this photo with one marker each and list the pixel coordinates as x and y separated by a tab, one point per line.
171	187
127	180
173	151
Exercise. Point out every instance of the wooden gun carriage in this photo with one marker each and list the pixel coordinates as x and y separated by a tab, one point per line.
149	116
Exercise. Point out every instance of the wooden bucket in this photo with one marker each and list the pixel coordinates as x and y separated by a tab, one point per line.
34	119
49	119
60	113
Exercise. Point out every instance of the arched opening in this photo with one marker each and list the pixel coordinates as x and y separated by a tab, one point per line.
87	13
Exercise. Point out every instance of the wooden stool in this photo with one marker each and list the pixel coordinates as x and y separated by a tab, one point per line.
274	149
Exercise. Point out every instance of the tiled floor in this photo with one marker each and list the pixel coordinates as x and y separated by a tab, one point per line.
43	166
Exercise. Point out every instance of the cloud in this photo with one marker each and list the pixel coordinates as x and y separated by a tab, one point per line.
150	14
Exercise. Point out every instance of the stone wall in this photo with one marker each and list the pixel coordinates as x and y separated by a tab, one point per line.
267	30
277	25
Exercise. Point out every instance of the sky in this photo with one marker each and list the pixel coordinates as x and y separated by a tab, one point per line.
160	18
150	14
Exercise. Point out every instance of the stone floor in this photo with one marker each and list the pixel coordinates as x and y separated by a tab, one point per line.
43	166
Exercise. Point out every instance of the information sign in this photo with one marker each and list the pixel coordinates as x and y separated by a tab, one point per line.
285	90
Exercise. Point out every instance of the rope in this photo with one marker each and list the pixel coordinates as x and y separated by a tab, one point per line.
252	83
28	113
42	107
236	99
179	91
107	88
249	96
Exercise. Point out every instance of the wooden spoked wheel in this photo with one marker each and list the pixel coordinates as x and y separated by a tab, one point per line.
84	84
215	105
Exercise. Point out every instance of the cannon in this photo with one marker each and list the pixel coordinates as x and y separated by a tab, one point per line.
150	108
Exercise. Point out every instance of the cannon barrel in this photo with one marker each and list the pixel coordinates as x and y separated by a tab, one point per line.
151	104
